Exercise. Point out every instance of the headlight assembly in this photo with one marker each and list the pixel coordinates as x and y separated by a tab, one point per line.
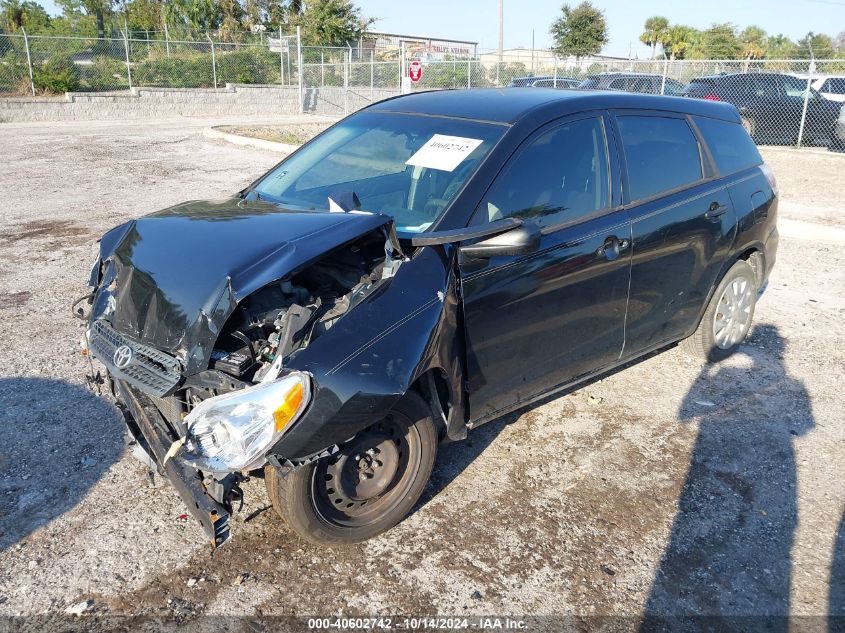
233	431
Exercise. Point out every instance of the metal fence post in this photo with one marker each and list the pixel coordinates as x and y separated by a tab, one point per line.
166	39
401	66
346	65
299	67
469	73
810	71
128	65
281	59
213	60
372	68
663	81
322	69
28	60
554	84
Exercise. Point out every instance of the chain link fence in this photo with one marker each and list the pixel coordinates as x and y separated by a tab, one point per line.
792	102
41	65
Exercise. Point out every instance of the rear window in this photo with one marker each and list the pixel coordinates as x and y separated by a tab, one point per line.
662	154
730	145
835	86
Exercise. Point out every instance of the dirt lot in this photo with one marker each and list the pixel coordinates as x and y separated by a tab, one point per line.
668	488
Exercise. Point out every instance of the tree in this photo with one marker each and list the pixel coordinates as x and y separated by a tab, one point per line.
717	42
780	47
839	41
754	44
656	29
815	45
678	39
579	31
98	9
330	22
144	15
29	15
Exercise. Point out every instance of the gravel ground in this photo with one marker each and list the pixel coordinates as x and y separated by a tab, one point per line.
670	487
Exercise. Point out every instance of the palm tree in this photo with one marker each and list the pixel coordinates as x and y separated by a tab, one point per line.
754	44
655	33
678	39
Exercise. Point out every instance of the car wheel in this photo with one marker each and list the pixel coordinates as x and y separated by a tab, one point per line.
728	316
368	486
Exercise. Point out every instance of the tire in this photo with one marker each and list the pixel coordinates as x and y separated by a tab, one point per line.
333	502
728	316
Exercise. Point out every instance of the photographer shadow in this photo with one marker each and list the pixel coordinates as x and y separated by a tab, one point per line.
728	556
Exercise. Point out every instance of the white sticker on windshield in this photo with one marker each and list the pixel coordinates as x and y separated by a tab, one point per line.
443	152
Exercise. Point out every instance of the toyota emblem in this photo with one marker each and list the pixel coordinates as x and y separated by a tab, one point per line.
122	356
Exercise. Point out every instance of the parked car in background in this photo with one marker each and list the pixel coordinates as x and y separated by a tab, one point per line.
543	82
831	87
424	266
771	106
646	83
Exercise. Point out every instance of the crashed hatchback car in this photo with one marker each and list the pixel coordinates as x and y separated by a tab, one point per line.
424	266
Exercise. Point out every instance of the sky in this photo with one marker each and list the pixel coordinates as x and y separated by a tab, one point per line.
476	20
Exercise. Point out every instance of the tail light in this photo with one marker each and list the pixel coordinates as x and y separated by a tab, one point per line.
770	176
711	97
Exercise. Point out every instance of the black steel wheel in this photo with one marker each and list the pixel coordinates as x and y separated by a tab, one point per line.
368	486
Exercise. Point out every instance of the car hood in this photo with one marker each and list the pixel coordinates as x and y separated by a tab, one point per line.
171	279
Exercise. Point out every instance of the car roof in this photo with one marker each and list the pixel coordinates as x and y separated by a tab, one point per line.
501	105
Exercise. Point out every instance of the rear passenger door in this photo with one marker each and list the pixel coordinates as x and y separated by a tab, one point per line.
682	226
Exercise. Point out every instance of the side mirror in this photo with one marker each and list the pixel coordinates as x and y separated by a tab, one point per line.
521	240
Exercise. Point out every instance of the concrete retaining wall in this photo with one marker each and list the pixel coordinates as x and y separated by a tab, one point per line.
146	103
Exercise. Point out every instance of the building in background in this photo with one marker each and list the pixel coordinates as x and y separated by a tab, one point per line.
418	46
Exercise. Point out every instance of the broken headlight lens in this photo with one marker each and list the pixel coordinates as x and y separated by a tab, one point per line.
233	431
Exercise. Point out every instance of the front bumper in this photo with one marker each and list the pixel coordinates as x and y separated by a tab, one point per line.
212	516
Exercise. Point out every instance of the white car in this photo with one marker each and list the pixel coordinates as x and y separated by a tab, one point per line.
831	87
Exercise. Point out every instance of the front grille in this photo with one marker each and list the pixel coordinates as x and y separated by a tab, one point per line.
148	369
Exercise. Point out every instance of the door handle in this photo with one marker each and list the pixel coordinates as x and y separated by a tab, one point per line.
715	211
612	247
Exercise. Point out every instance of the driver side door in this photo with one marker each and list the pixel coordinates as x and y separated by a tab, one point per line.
537	321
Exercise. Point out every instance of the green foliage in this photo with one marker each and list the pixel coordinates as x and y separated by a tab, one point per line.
56	74
330	23
252	65
656	32
29	15
14	74
780	47
678	39
754	43
815	45
183	70
720	41
579	31
104	73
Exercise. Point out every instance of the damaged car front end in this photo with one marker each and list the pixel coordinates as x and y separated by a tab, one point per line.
256	336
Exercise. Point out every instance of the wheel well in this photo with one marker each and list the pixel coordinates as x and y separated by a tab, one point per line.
434	389
757	261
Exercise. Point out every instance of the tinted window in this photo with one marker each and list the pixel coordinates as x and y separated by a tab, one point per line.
835	86
730	145
559	176
661	153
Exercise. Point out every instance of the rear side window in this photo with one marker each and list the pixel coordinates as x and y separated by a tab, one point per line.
730	145
662	154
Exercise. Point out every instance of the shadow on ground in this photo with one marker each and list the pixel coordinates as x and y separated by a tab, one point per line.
56	441
729	550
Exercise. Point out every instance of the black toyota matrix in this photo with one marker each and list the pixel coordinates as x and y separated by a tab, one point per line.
424	266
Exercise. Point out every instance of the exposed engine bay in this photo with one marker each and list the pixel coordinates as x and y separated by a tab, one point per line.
277	321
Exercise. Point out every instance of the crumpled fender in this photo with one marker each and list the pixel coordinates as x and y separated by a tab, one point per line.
373	355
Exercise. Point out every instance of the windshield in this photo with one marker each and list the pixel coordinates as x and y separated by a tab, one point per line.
407	166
